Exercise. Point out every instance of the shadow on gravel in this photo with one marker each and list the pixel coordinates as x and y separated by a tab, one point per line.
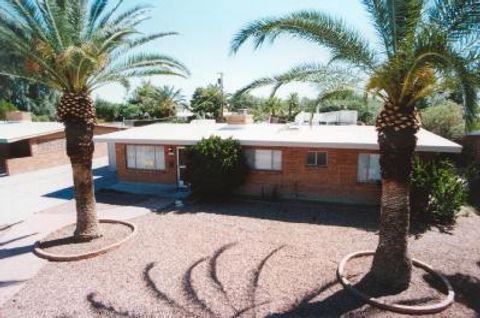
358	216
14	251
336	304
17	239
467	289
6	283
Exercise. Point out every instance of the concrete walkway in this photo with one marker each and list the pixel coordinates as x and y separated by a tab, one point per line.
23	195
17	262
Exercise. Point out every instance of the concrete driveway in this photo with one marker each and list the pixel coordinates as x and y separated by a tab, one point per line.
23	195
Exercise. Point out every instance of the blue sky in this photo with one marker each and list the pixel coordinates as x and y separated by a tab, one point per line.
206	28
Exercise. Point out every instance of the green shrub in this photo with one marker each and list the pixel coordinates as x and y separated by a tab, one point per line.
437	192
215	167
6	107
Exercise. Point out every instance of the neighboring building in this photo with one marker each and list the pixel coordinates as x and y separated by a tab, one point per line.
341	117
27	146
328	163
471	144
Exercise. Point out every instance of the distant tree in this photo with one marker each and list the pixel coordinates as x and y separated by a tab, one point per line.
293	103
274	106
244	101
157	102
107	111
445	119
207	101
171	99
6	107
25	95
129	111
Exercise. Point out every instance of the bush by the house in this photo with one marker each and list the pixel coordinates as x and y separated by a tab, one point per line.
438	192
215	167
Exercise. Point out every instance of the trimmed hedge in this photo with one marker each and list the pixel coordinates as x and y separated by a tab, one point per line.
215	167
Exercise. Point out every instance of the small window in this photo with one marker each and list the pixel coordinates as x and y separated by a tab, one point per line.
369	167
316	159
260	159
146	157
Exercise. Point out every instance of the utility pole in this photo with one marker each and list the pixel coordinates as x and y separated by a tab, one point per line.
220	83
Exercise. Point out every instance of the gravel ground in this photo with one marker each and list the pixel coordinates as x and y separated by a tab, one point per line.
62	241
241	260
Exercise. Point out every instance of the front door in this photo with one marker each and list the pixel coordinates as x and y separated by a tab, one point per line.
181	166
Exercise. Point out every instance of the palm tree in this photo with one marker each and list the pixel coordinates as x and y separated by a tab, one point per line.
422	42
75	47
172	99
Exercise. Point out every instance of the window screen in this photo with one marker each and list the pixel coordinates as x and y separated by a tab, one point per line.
368	167
145	157
260	159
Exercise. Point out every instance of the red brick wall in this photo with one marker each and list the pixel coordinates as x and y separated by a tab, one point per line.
336	182
50	151
167	176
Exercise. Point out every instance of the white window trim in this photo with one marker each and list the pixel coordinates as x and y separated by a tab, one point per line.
156	150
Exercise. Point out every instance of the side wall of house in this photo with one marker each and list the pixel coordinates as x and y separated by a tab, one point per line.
337	182
50	151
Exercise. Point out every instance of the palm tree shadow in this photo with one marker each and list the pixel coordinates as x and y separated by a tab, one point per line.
194	305
337	304
467	289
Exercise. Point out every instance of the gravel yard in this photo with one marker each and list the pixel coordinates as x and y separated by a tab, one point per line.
242	260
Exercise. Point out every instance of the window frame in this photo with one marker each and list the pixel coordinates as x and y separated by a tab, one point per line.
155	151
316	165
368	180
253	152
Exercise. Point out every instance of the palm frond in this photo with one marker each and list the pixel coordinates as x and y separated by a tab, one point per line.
458	17
344	42
317	74
395	20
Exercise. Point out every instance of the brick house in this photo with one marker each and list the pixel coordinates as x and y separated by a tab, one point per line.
328	163
27	146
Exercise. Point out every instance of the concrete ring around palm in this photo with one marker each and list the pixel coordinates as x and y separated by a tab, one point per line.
76	257
403	309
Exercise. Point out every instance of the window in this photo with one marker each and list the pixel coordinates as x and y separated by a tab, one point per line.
260	159
368	167
145	157
316	159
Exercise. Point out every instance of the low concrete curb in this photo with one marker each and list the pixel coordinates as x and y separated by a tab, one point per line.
411	310
76	257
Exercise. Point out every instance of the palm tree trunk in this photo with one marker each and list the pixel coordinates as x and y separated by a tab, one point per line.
78	114
392	265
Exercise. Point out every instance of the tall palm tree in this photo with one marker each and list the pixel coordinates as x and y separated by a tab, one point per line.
420	44
74	47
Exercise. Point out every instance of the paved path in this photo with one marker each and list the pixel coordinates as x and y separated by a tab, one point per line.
17	262
23	195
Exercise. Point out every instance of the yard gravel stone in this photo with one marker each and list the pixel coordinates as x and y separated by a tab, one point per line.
242	259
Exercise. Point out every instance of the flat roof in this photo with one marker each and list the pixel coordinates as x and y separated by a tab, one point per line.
15	131
270	135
